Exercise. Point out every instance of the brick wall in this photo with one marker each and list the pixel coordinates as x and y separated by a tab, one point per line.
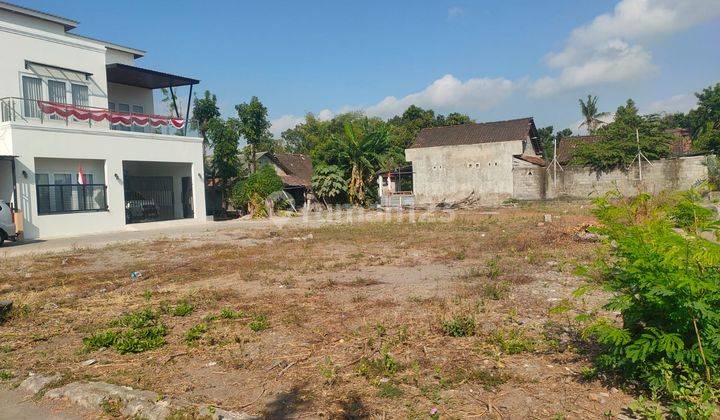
581	182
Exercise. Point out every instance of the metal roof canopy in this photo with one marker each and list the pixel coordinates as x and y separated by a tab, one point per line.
145	78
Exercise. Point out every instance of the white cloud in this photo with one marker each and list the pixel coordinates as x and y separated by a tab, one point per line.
609	49
278	125
675	103
634	20
449	94
325	115
616	61
455	12
446	94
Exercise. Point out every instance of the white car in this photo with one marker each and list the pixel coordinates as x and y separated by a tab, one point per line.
7	224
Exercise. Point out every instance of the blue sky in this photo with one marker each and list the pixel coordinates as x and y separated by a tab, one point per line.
490	59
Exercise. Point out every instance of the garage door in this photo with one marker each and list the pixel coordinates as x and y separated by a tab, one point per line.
149	198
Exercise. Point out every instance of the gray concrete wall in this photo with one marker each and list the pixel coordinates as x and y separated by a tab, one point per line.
581	182
452	173
528	180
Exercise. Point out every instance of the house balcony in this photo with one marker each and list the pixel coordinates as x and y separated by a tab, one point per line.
38	112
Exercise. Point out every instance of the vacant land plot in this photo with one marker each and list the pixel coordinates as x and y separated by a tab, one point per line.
459	315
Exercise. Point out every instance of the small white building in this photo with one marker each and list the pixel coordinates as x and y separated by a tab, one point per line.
471	161
81	147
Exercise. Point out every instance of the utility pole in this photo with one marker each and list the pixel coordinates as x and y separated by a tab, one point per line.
555	164
640	155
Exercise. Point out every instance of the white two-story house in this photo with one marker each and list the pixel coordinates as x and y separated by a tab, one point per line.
82	149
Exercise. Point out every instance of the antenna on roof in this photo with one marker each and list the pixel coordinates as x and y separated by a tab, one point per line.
640	155
555	164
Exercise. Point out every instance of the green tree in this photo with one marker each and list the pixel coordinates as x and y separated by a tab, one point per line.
665	280
618	146
591	114
306	137
255	128
359	152
707	110
252	192
708	139
224	136
328	183
545	135
204	110
455	118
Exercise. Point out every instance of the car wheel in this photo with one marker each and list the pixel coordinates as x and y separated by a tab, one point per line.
2	237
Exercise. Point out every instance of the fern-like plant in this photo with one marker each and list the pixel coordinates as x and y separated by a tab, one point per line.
666	283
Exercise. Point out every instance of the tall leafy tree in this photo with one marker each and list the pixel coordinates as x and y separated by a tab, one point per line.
591	114
255	128
224	137
707	110
359	151
205	109
545	135
618	145
328	183
306	137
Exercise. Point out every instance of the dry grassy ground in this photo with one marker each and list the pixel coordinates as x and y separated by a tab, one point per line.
353	321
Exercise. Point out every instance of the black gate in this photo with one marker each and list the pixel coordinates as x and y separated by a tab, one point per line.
149	198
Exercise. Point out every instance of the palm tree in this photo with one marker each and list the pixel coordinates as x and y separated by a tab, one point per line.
591	114
359	151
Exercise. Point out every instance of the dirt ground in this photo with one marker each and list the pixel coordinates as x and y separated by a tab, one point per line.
456	314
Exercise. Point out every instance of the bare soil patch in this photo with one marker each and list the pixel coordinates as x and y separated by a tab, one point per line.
338	321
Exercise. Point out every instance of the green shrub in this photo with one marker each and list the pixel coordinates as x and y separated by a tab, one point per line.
183	308
227	313
328	183
6	375
195	332
388	390
513	341
251	192
383	366
259	323
666	287
135	332
459	326
496	290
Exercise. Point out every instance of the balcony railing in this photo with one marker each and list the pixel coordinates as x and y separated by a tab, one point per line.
71	198
34	111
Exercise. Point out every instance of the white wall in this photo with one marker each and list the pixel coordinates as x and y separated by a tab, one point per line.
20	43
30	142
96	167
451	173
115	56
32	22
25	38
131	95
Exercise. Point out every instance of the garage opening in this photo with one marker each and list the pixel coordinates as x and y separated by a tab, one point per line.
156	191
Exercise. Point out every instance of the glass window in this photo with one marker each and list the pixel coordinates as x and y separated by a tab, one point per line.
32	92
62	193
56	93
80	95
43	192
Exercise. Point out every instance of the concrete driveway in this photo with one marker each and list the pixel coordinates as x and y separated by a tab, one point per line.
142	232
177	229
